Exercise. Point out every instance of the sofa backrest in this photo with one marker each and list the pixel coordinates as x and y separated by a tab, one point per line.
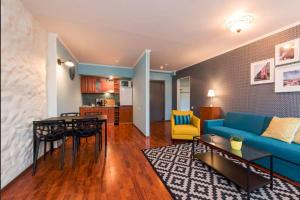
253	123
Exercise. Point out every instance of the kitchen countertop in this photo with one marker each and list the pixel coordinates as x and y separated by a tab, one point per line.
108	106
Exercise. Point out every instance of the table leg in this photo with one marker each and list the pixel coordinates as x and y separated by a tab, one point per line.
271	172
193	149
105	138
248	174
51	147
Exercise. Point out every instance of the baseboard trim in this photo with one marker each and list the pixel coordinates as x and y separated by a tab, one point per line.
141	132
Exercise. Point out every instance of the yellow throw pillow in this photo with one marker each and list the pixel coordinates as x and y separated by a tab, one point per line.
283	129
297	137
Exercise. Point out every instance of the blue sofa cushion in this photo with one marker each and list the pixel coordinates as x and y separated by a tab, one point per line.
247	122
278	148
228	132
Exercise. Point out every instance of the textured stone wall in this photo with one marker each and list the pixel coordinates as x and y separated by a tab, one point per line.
23	86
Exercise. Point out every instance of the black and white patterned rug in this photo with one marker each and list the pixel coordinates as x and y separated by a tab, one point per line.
187	179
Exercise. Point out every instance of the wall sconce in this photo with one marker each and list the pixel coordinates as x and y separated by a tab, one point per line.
70	65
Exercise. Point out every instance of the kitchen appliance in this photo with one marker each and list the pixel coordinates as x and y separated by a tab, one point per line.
126	83
126	93
101	102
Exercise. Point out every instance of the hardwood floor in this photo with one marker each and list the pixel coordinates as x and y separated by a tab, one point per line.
124	174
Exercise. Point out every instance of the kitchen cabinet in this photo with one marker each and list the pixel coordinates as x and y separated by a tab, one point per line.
125	113
117	86
106	85
92	85
109	111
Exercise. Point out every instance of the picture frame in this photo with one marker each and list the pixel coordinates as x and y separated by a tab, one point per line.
287	78
287	52
262	72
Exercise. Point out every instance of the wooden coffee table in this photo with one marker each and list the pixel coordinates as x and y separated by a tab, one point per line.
241	176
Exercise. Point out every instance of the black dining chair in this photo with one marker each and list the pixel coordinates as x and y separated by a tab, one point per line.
91	114
48	131
69	125
84	128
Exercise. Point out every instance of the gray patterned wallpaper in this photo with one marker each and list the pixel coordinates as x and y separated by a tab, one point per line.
229	75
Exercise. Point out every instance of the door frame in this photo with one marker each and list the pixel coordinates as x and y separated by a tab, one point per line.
164	96
178	91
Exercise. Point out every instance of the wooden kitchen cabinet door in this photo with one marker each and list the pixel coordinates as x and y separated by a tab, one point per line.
91	85
107	86
125	113
84	84
111	115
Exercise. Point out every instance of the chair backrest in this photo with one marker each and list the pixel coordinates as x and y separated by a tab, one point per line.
85	127
51	129
70	114
92	113
181	112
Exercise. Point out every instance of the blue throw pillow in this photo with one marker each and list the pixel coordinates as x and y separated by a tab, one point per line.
182	119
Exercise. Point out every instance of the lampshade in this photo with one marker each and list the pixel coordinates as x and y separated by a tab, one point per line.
211	93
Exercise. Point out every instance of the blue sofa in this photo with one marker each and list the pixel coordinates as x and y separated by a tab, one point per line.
250	127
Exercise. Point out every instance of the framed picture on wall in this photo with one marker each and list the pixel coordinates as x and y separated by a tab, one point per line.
262	72
287	52
287	78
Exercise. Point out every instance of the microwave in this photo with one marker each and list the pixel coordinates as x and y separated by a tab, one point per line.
125	83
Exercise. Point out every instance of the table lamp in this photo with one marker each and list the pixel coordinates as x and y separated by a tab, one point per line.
211	94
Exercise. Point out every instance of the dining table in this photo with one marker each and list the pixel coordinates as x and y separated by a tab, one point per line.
101	119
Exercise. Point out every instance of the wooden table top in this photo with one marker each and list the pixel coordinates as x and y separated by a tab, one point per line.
70	118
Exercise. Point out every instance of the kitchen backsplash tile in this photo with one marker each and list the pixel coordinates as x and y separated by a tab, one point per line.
88	99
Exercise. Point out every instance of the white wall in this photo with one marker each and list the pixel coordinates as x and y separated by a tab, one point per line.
52	75
68	91
141	75
23	86
64	94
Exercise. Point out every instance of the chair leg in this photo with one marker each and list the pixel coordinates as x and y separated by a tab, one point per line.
96	147
45	146
100	141
51	147
36	148
86	140
62	159
74	151
78	143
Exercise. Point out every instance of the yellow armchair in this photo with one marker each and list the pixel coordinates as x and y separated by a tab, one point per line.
186	131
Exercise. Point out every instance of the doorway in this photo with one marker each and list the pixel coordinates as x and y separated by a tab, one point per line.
157	101
183	93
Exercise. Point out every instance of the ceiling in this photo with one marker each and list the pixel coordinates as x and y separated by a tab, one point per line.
179	33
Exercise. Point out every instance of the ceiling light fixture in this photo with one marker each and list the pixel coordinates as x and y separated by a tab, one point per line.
239	22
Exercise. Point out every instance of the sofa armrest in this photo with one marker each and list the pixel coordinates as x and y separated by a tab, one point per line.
212	123
172	123
195	121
